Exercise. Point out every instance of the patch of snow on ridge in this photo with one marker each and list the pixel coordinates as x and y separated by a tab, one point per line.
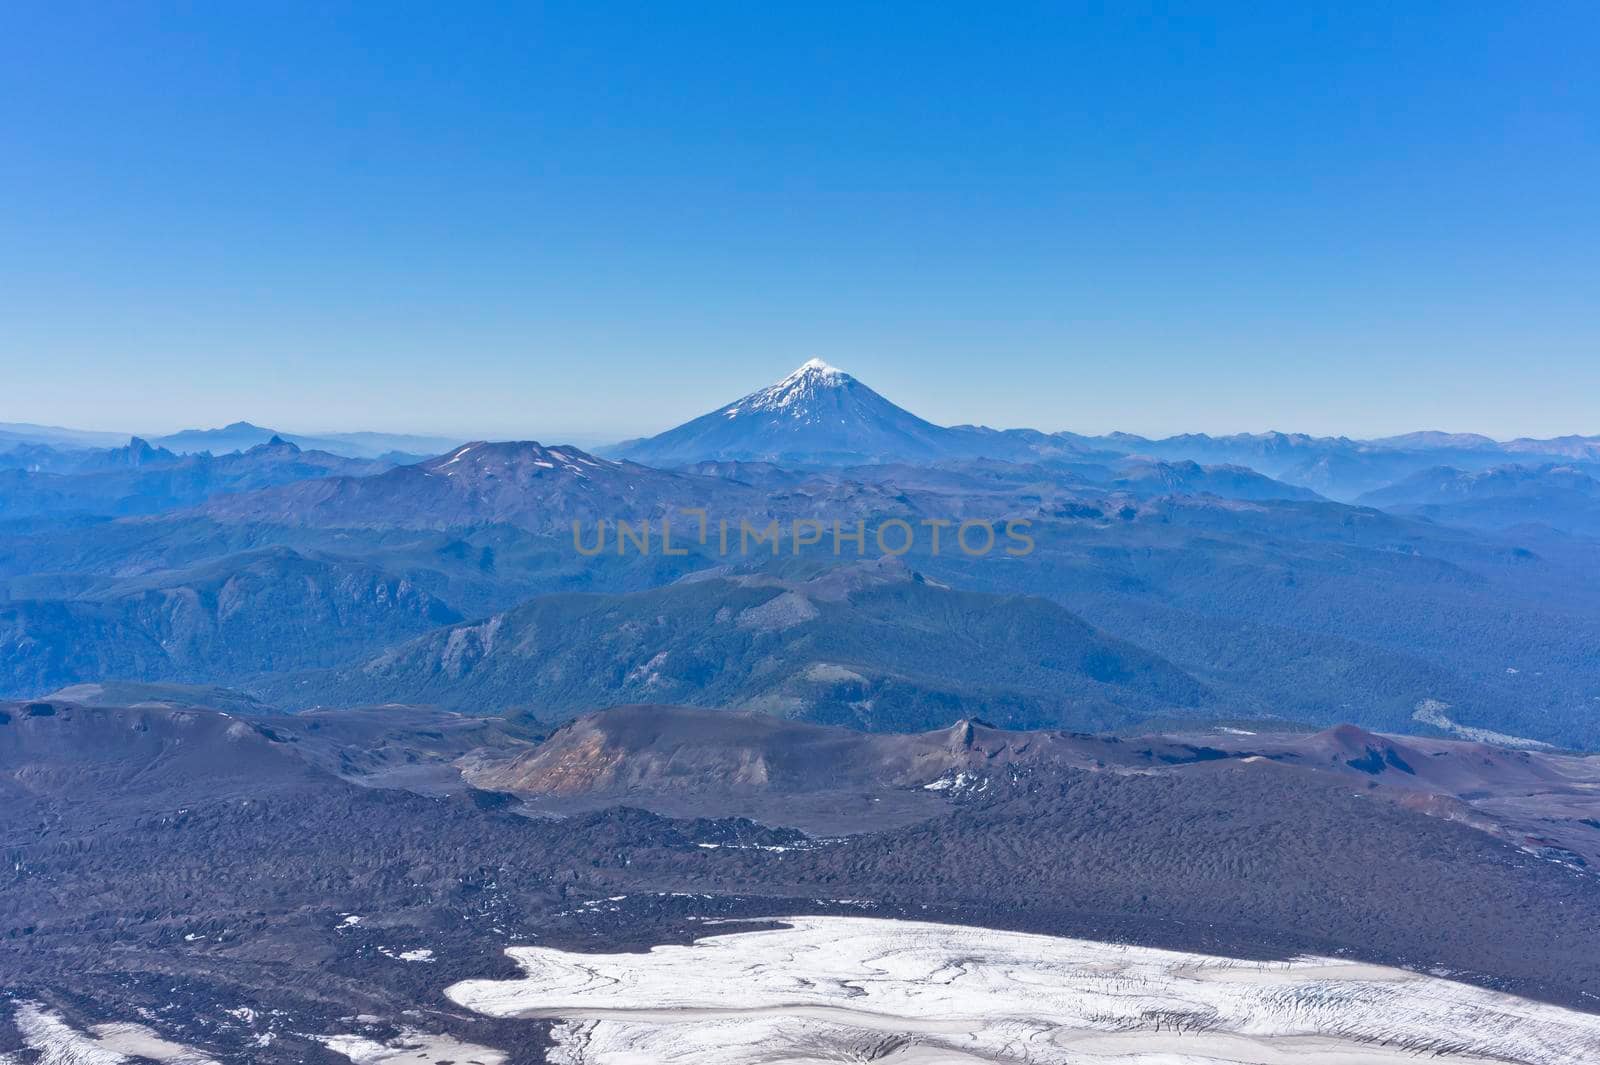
58	1043
142	1042
961	781
844	988
411	1048
457	457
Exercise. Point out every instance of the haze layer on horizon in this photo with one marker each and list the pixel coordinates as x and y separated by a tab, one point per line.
596	220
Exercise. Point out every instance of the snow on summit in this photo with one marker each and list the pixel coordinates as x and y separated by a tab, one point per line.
817	414
794	394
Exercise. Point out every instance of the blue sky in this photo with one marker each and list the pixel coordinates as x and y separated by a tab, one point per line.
571	220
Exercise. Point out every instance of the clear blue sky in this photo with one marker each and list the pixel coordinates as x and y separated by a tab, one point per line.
564	219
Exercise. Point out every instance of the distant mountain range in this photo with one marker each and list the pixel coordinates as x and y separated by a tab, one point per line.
819	415
1302	608
141	478
1345	469
14	434
237	436
240	436
1563	497
1169	575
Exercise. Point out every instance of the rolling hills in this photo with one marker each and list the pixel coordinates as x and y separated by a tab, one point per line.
872	645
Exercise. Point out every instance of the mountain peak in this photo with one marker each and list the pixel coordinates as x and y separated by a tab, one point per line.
138	452
794	396
817	414
816	366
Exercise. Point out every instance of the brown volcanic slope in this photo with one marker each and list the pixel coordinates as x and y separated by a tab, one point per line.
650	748
55	755
686	761
1544	801
692	762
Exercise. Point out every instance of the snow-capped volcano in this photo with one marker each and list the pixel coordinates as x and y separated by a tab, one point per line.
817	414
797	395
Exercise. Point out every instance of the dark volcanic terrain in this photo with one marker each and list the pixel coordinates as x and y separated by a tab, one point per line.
209	877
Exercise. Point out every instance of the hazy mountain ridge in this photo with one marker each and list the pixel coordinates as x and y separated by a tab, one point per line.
143	479
237	436
43	458
241	436
1187	477
223	620
1563	497
28	433
1312	609
872	646
1344	469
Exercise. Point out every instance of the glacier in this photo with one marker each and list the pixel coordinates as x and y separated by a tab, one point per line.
827	988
